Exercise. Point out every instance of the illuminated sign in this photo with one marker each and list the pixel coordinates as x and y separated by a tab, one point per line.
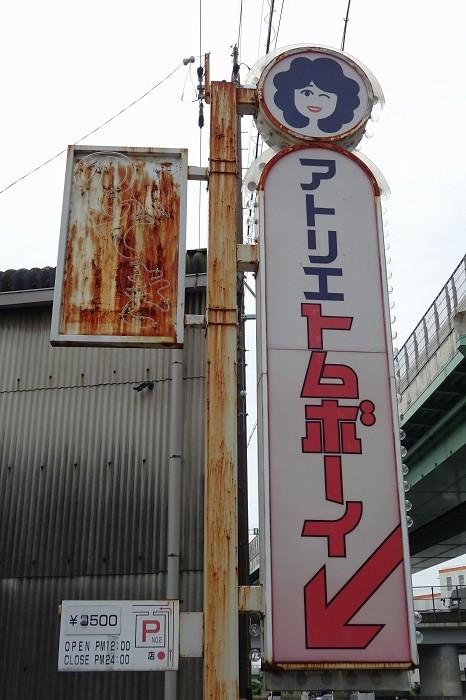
337	586
315	94
120	273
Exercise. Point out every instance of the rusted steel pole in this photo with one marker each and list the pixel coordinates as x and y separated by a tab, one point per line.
221	660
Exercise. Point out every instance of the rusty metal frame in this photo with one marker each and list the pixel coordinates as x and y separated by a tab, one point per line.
79	323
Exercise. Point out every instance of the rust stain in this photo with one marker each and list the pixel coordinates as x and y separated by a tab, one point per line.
220	561
121	271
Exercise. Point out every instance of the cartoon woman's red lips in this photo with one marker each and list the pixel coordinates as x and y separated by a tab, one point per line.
314	109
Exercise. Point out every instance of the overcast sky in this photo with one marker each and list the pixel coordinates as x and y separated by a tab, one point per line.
67	69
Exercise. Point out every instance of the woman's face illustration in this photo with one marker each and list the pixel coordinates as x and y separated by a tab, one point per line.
311	101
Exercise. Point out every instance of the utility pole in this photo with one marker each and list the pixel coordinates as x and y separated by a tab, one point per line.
220	536
221	654
243	511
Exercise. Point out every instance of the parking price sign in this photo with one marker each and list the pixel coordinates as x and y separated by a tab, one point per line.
119	635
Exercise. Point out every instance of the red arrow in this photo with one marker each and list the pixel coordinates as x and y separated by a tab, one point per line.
327	622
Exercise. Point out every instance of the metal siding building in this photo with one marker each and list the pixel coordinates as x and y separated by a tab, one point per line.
84	462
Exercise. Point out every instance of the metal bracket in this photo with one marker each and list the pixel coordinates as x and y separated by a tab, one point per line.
195	321
248	257
251	599
197	173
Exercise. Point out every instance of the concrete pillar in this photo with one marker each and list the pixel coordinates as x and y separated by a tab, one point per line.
439	670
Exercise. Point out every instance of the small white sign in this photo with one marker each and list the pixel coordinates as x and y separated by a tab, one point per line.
119	635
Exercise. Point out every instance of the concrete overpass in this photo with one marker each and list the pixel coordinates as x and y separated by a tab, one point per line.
431	368
444	638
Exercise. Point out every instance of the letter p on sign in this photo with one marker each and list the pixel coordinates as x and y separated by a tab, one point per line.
149	627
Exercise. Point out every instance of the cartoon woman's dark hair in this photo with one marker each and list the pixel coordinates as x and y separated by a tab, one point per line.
327	75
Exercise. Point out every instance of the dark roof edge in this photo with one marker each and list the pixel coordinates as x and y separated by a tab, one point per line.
26	297
44	297
35	287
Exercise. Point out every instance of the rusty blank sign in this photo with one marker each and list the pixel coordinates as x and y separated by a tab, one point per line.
120	273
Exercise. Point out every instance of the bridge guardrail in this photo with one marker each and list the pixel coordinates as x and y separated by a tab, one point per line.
436	324
440	603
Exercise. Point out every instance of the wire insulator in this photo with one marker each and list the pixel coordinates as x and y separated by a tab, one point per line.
200	86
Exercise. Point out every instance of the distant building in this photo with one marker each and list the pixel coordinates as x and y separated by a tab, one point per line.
438	597
429	601
452	577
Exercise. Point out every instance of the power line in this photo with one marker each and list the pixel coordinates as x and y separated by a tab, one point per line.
267	46
279	23
346	24
258	140
200	97
252	433
93	130
240	25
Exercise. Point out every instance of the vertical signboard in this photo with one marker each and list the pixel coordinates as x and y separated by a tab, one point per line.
337	581
120	273
119	635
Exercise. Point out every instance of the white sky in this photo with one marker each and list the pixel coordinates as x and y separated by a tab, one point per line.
67	68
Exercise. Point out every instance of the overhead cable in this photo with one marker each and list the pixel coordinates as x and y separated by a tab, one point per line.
93	130
346	24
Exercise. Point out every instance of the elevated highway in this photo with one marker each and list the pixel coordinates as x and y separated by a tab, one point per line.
431	369
441	653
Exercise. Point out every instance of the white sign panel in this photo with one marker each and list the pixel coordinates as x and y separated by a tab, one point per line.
119	635
336	579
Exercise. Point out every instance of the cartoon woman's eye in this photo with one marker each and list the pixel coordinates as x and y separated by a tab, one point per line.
306	93
322	94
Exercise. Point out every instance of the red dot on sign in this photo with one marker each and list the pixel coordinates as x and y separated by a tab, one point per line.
161	655
367	408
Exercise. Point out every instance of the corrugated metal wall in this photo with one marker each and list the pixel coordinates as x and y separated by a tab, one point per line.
83	497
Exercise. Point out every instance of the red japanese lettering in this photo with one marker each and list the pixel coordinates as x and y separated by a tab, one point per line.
318	370
333	478
331	428
317	323
335	530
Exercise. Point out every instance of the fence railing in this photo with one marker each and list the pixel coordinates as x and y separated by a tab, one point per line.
440	603
435	326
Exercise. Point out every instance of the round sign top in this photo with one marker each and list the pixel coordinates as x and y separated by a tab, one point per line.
314	94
